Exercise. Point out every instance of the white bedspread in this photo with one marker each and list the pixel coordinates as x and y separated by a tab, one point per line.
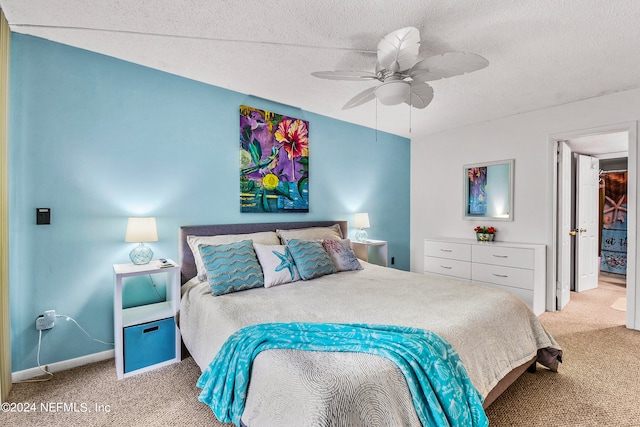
493	332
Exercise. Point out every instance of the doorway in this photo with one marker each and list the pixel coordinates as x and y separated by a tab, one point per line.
599	174
616	148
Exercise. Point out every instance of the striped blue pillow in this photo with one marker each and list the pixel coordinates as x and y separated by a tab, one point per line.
231	267
311	258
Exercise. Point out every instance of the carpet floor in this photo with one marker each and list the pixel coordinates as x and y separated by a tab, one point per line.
597	385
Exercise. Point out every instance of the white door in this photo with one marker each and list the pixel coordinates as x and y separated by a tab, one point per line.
563	290
587	223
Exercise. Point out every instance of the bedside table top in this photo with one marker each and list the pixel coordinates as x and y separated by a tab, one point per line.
371	242
154	265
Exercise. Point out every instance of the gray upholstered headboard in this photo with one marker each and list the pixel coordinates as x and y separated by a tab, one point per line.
187	262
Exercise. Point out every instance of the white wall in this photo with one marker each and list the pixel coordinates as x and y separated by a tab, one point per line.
437	162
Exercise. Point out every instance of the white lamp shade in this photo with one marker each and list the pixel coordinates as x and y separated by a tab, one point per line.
361	220
141	230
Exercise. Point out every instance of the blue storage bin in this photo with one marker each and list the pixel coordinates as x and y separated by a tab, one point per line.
149	343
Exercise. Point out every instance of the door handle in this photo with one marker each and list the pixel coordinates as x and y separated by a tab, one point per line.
577	230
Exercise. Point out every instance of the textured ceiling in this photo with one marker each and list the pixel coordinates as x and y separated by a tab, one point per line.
542	53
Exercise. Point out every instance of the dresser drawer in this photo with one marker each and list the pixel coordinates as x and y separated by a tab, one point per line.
506	276
448	267
460	251
512	257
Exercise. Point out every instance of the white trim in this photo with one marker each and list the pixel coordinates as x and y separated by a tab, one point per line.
150	367
633	296
5	306
63	365
552	271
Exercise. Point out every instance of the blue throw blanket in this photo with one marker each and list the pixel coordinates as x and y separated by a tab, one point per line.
440	386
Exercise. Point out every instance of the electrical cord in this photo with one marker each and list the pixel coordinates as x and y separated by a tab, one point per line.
155	287
50	374
82	329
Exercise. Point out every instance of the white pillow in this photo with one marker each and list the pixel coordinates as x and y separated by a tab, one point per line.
264	237
277	264
332	232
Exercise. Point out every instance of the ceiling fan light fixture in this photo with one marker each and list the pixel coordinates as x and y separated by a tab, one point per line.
393	92
403	74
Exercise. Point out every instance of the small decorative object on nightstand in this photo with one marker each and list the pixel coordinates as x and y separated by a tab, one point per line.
146	336
140	230
361	249
361	221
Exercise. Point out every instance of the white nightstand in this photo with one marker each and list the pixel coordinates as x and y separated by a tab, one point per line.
380	256
146	336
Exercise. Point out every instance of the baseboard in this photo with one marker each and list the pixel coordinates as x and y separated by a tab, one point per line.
63	365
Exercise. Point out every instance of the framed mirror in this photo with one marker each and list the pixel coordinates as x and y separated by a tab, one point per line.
488	190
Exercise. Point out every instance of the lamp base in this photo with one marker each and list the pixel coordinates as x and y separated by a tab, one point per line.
361	236
141	254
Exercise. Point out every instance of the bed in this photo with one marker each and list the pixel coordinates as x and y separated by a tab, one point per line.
495	335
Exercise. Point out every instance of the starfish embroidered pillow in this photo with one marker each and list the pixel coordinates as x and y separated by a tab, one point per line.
277	264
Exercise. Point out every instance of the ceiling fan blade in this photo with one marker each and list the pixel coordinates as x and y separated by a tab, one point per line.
447	65
420	96
364	96
345	75
398	50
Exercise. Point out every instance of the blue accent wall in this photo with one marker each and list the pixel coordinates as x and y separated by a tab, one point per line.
98	139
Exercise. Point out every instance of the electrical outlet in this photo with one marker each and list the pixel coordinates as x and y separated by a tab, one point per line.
46	320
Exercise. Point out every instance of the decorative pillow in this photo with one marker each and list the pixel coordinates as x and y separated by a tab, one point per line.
232	267
263	237
312	233
277	264
342	255
311	258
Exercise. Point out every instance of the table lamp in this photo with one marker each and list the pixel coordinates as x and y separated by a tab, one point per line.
141	230
361	221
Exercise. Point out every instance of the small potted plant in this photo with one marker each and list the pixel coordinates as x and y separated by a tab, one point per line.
485	234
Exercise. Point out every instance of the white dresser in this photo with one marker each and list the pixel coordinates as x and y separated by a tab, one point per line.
519	268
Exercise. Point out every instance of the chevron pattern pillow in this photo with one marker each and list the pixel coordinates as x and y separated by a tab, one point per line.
231	267
311	258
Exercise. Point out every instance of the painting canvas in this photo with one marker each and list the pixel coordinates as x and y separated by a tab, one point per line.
477	196
614	222
274	162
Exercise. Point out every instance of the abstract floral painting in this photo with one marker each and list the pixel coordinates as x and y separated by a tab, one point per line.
477	190
274	162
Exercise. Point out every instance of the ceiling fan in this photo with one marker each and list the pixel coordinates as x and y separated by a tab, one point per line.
403	74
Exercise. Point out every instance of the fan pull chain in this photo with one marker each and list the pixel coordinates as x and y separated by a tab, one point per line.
376	119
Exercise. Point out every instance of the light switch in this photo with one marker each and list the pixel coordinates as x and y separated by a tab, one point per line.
43	216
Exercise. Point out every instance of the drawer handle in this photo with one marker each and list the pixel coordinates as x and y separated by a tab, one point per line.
152	329
444	266
500	275
446	250
501	256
